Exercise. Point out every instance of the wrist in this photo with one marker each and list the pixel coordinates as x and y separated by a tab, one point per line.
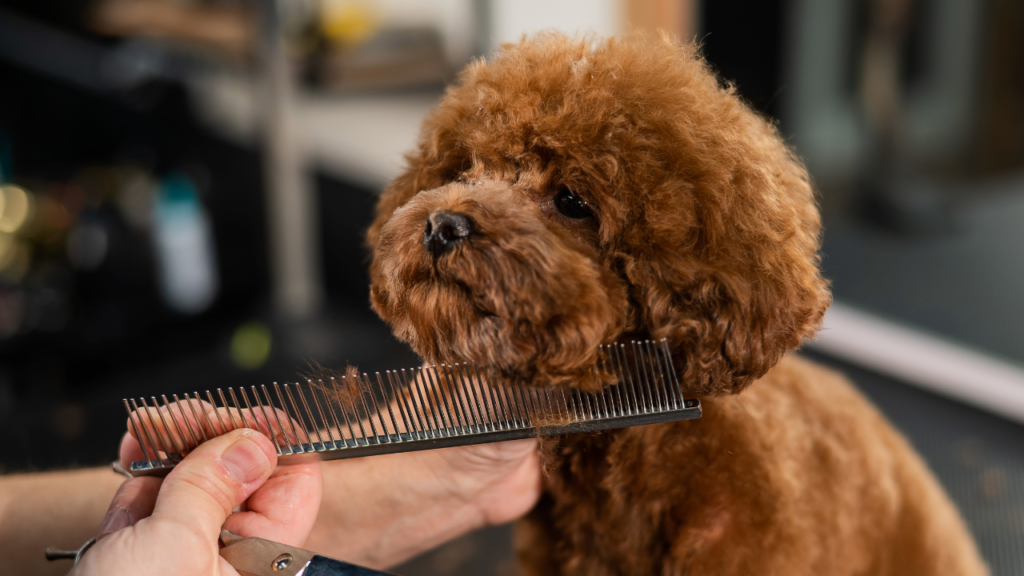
500	481
408	503
54	509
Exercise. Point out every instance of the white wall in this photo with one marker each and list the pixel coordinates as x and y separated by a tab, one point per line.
512	18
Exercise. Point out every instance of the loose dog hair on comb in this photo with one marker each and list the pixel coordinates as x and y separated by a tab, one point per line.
403	410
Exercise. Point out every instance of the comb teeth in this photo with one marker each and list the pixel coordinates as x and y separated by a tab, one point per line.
416	409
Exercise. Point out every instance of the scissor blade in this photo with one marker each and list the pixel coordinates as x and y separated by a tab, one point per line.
259	557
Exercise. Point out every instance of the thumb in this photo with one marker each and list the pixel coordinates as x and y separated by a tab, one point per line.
213	479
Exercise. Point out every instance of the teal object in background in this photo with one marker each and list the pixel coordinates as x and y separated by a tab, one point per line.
6	157
183	239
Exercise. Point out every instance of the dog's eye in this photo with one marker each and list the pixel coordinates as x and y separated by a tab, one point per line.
570	205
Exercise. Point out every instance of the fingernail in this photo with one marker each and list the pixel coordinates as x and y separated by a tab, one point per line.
245	461
114	520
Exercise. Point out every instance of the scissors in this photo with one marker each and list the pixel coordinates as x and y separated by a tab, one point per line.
259	557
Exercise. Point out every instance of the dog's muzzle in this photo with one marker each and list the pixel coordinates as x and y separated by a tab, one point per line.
445	230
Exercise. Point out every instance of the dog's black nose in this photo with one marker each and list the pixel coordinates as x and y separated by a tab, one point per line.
445	230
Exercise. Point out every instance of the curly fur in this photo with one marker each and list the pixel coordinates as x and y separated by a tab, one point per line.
705	232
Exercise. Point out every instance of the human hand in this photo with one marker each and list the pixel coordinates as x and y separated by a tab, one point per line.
388	508
383	510
171	526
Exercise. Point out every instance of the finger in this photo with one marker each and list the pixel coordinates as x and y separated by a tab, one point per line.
216	477
180	536
284	508
133	501
183	423
131	451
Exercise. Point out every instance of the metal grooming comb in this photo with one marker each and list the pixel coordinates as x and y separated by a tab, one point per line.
415	409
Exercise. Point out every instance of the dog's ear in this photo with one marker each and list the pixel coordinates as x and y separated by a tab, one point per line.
737	287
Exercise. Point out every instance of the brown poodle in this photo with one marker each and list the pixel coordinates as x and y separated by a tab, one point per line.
574	192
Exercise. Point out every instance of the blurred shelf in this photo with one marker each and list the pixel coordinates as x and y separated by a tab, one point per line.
360	139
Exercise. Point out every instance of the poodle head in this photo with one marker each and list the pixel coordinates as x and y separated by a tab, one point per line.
574	192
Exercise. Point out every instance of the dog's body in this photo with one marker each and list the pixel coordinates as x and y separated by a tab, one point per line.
799	475
572	193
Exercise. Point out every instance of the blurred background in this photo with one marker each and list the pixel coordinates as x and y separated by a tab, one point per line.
184	186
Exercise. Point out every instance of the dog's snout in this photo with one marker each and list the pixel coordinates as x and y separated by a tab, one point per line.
445	230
